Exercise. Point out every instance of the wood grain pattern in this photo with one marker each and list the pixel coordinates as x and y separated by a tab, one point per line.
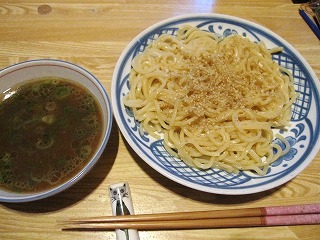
93	34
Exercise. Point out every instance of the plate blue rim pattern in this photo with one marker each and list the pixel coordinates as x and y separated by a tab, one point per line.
303	135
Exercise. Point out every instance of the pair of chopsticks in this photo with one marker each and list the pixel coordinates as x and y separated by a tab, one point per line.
247	217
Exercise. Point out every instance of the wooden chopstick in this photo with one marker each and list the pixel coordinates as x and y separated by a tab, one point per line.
228	213
249	212
247	217
284	220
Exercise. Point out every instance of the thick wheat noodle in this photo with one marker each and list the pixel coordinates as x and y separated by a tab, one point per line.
213	101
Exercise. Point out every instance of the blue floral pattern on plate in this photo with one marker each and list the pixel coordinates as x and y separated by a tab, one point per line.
303	134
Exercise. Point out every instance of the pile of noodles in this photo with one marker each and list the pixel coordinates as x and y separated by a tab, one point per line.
213	101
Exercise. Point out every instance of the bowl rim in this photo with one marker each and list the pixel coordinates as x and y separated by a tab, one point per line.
28	197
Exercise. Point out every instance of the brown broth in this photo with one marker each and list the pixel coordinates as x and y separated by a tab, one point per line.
49	129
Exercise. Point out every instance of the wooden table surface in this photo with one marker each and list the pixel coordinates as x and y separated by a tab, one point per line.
92	34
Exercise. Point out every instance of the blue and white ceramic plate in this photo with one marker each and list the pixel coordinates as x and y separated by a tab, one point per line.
303	135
